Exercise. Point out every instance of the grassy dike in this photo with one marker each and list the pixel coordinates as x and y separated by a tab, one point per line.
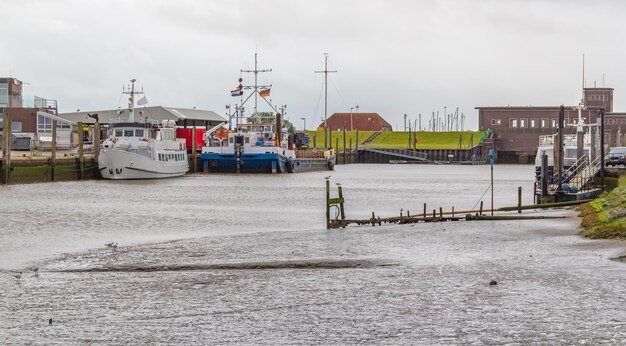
605	217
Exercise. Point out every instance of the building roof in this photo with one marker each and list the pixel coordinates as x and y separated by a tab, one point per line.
360	121
157	113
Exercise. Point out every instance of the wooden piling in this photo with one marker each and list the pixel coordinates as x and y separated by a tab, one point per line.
327	204
481	207
519	199
424	214
344	146
341	210
351	158
81	151
6	154
193	149
96	142
440	212
53	154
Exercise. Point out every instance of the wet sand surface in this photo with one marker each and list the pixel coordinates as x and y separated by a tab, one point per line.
397	284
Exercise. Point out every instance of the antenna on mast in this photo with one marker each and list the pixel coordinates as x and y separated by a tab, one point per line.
582	101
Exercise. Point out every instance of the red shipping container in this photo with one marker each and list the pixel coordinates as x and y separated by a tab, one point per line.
187	133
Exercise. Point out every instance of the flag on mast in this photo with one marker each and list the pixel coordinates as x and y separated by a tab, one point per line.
236	92
264	92
142	101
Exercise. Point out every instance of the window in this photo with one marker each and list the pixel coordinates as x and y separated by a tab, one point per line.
16	126
128	133
513	123
554	121
139	133
118	132
496	122
533	123
523	122
544	123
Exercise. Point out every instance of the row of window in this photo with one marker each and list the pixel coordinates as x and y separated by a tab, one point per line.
172	157
525	122
129	132
546	123
598	98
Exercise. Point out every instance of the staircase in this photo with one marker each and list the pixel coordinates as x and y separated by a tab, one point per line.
400	153
579	175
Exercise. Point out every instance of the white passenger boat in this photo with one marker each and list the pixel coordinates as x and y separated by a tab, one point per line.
142	150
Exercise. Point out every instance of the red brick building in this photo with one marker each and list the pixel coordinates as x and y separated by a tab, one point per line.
517	129
356	121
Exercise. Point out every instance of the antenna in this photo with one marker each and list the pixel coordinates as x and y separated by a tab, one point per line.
583	93
325	72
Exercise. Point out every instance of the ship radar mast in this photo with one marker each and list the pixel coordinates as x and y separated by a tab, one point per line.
130	90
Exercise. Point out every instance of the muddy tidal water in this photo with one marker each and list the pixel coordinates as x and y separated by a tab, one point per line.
246	259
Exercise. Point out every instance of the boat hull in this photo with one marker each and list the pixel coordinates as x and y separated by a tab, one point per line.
121	165
262	163
245	163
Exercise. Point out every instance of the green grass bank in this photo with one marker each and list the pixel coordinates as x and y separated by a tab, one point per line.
400	140
605	217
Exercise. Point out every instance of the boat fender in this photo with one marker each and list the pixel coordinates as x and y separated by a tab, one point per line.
180	145
331	166
290	166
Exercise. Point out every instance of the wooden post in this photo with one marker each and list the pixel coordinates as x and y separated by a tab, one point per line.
6	153
343	214
337	146
327	203
481	207
344	146
452	211
193	149
424	210
81	152
53	149
351	158
330	139
96	142
440	212
434	213
356	146
519	199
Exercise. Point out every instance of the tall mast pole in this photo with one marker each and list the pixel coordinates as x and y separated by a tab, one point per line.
326	72
256	85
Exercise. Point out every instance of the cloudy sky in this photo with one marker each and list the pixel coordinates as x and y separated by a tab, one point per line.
392	56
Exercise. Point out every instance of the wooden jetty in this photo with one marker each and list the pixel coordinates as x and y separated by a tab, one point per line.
340	220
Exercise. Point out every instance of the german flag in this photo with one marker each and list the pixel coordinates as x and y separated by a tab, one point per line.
264	92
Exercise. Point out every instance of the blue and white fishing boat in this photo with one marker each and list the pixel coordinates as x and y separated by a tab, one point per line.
261	145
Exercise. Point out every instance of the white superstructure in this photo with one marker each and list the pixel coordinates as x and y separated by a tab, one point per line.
136	150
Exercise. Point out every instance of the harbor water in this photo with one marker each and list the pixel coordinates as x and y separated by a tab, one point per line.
246	259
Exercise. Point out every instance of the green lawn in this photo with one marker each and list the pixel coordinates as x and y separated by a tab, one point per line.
400	140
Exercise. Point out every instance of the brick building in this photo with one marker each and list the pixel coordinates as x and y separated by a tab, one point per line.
356	121
517	129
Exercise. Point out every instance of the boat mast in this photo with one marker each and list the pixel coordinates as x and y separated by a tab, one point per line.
325	72
256	85
131	99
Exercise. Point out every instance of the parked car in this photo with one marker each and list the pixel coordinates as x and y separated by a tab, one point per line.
615	156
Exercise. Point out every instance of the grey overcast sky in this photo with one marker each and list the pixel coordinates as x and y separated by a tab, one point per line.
393	56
